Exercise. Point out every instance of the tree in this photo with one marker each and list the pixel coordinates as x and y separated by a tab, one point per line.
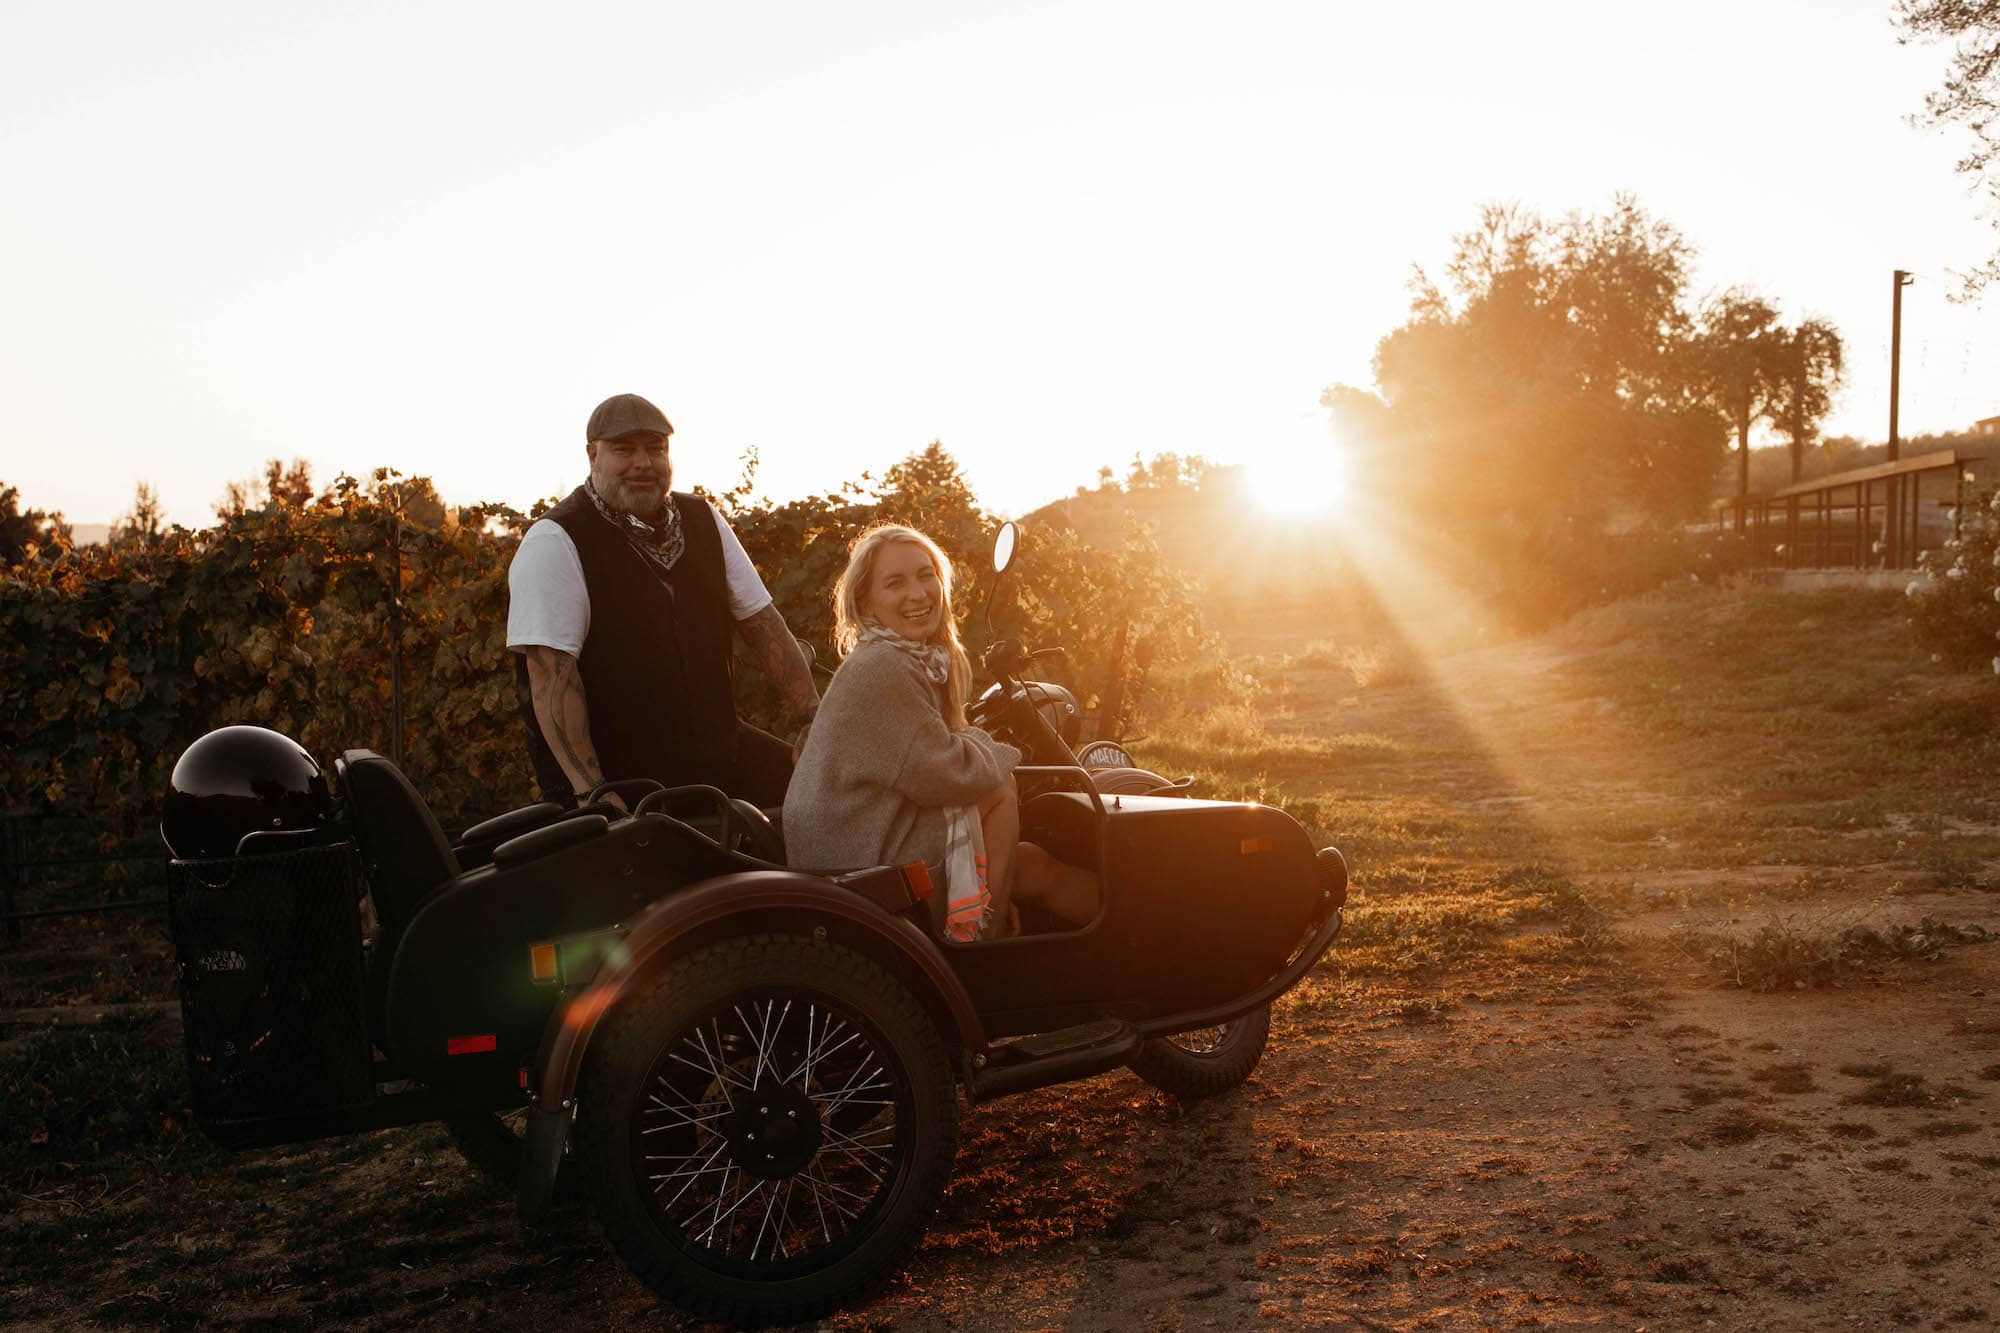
21	529
143	525
1807	364
282	486
1970	96
1734	358
1546	383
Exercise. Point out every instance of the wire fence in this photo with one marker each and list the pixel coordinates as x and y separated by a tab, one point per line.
53	864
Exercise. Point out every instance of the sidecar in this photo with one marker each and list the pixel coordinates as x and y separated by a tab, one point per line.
753	1072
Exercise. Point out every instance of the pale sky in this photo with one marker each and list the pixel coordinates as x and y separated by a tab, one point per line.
432	236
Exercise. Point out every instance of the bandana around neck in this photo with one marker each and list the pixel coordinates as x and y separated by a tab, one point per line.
934	658
660	544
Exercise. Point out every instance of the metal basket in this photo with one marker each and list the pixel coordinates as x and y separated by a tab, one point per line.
272	984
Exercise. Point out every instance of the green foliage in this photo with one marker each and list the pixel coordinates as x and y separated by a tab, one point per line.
1130	625
1551	379
25	531
113	659
1968	95
1557	407
1793	954
1954	603
1537	577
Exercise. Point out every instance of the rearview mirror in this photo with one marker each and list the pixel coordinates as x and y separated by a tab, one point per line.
1004	545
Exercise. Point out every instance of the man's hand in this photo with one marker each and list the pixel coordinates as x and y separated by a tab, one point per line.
779	658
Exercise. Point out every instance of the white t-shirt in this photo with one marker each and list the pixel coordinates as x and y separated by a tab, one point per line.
548	605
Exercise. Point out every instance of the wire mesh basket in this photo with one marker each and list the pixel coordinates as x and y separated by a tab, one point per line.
271	977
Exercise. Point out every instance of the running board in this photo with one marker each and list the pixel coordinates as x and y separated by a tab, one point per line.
1052	1057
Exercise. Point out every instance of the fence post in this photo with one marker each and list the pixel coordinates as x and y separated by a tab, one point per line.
11	856
396	633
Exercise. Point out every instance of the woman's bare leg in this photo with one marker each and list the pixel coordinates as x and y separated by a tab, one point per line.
1000	821
1071	892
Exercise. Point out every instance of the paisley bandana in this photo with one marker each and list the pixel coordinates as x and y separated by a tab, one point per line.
935	658
659	544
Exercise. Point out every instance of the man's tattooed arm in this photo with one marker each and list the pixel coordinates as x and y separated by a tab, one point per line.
778	657
556	687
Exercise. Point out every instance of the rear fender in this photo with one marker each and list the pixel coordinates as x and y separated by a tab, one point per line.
752	902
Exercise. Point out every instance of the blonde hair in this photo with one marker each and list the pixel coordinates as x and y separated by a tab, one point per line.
854	581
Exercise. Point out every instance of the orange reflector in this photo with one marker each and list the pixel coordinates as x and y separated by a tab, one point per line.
1252	846
919	876
471	1045
542	963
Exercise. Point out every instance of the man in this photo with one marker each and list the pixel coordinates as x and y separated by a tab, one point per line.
621	604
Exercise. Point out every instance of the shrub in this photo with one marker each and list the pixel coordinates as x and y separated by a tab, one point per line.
1954	602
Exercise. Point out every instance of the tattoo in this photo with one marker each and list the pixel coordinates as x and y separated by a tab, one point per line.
556	687
779	659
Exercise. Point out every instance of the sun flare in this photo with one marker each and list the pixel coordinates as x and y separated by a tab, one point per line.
1299	481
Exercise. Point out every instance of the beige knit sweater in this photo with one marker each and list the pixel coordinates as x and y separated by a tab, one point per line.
880	767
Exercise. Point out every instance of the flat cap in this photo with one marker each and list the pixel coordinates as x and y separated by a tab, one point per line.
622	414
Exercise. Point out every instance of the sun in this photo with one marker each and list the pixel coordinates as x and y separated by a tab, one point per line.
1300	480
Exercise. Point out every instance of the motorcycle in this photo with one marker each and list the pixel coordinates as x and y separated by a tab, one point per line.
754	1073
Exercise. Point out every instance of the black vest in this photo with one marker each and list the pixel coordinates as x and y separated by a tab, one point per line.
656	665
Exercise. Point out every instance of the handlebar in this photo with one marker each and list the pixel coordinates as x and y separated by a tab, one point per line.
1005	657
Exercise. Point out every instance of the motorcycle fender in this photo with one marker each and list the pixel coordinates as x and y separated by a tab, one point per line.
751	901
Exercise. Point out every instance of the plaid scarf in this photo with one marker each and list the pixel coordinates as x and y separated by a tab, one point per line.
659	544
968	896
934	658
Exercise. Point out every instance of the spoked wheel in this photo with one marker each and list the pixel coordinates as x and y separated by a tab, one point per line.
1202	1063
768	1128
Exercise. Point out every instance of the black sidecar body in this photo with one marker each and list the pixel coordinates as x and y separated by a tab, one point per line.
752	1072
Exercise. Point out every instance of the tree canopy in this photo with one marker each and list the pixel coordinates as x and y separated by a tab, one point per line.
1970	95
22	528
1550	378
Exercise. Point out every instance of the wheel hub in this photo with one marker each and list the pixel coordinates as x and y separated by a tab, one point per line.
774	1131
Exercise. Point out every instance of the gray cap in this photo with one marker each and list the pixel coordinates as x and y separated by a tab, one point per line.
623	414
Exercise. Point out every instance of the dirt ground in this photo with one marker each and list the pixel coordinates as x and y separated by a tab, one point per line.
1616	1140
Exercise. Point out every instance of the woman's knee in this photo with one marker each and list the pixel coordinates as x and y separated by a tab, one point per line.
1001	797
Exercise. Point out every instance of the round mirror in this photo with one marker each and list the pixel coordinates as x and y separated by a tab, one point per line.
1004	545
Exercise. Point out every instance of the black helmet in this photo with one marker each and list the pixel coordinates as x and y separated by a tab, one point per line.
240	780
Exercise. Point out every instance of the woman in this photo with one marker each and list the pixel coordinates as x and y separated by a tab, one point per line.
891	773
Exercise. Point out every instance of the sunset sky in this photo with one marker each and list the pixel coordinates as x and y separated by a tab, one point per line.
432	236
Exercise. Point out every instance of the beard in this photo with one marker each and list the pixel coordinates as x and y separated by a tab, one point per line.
640	501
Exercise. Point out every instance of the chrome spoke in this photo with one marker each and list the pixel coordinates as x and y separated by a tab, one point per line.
716	1085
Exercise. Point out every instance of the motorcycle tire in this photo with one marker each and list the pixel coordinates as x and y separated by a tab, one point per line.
767	1128
1202	1063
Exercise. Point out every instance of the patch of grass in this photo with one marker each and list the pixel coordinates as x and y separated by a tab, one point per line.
1848	1129
75	1097
1418	1009
1946	1129
1735	1127
1789	1079
1892	1090
1832	949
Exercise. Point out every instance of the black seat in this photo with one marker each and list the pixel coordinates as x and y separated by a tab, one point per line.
403	851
